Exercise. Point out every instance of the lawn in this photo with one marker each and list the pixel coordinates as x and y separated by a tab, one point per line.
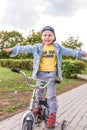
11	82
15	94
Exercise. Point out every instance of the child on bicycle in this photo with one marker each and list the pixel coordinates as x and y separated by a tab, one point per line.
47	65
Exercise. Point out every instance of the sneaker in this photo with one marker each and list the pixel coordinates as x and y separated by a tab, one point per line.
51	120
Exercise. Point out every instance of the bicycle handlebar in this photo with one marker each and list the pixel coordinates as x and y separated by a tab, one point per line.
16	70
43	83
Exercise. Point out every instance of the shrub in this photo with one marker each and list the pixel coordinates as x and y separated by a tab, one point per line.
70	68
16	63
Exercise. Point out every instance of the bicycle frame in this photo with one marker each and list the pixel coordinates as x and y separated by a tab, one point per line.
28	119
29	116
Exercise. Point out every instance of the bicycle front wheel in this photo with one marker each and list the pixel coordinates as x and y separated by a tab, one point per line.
27	125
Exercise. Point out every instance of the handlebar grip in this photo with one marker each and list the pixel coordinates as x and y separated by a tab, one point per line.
15	70
57	81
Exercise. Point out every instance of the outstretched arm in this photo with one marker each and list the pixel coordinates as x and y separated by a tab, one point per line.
72	52
20	49
7	49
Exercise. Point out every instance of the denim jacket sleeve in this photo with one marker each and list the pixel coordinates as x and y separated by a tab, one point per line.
71	52
22	49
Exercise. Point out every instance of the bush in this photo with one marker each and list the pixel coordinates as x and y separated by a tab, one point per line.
15	63
70	68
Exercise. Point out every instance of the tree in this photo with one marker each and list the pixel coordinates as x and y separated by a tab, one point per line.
9	39
72	43
34	37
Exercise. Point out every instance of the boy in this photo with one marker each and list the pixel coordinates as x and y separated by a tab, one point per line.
47	65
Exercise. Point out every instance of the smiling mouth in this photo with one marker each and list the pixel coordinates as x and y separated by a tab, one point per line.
47	41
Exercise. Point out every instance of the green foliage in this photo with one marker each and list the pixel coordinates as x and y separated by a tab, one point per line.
15	63
85	71
70	68
24	56
72	43
34	37
9	39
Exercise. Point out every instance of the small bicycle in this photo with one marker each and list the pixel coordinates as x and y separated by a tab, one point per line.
29	119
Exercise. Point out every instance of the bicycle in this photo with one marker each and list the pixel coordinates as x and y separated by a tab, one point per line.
29	120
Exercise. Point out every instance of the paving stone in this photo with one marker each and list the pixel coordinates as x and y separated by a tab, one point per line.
72	107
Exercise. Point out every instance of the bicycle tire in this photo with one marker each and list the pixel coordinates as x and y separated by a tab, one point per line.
64	124
27	125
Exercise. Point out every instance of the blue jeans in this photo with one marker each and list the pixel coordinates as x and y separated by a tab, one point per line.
50	90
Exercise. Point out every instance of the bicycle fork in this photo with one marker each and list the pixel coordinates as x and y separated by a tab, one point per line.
29	116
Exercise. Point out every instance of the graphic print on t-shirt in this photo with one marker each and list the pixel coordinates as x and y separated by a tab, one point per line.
48	54
48	59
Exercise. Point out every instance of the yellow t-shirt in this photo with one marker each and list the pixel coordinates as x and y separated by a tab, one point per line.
48	60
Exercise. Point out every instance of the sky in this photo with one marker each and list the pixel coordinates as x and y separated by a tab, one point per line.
67	17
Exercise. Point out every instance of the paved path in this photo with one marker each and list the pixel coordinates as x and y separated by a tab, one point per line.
72	107
82	76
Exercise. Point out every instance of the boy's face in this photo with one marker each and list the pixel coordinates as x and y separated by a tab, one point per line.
47	37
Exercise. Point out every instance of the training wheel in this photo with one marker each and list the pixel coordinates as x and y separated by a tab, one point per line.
63	125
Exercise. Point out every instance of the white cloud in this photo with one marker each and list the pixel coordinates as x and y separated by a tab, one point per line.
24	13
67	17
20	14
62	8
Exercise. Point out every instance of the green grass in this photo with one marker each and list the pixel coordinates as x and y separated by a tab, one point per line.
66	82
12	82
12	108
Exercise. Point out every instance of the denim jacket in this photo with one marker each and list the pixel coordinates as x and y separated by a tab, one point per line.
36	50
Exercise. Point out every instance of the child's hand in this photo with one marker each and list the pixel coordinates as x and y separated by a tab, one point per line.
7	49
84	56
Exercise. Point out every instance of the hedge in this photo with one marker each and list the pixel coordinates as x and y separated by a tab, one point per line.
17	63
70	68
